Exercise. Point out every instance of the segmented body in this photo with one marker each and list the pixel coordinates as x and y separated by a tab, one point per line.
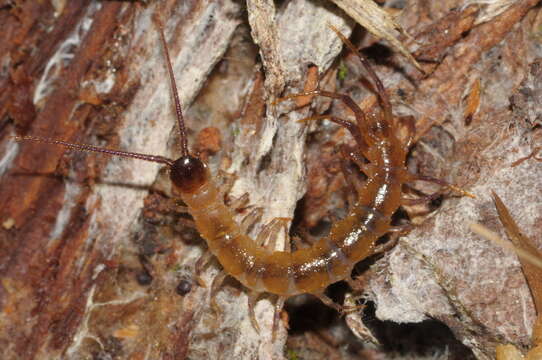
350	240
331	258
379	153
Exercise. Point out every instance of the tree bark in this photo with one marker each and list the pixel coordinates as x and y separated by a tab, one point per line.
93	248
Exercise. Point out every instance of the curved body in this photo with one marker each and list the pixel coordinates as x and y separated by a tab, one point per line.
331	258
379	154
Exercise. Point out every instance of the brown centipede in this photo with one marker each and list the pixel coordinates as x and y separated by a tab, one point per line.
380	154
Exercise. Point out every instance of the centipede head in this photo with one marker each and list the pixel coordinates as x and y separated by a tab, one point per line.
188	174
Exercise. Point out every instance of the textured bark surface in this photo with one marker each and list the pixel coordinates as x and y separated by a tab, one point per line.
94	72
97	262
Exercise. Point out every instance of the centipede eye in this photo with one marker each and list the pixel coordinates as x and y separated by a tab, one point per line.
188	174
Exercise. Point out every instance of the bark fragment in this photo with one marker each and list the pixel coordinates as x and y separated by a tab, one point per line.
73	243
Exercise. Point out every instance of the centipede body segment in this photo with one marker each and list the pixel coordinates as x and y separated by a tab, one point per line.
330	259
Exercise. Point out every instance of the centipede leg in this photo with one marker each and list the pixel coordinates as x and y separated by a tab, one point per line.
356	157
402	229
215	286
236	203
239	203
229	180
392	241
421	200
252	299
409	124
201	264
384	127
276	318
340	309
351	178
425	198
348	125
248	221
328	302
444	187
267	236
366	137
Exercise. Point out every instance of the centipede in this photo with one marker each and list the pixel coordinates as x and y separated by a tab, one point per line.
379	153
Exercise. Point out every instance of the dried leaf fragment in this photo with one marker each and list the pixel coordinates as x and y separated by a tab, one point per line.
473	102
378	22
530	258
533	273
490	8
311	84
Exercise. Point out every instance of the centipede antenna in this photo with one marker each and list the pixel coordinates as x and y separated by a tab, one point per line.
381	92
178	109
95	149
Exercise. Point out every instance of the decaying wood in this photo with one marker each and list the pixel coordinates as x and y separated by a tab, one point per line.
71	240
82	234
459	276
